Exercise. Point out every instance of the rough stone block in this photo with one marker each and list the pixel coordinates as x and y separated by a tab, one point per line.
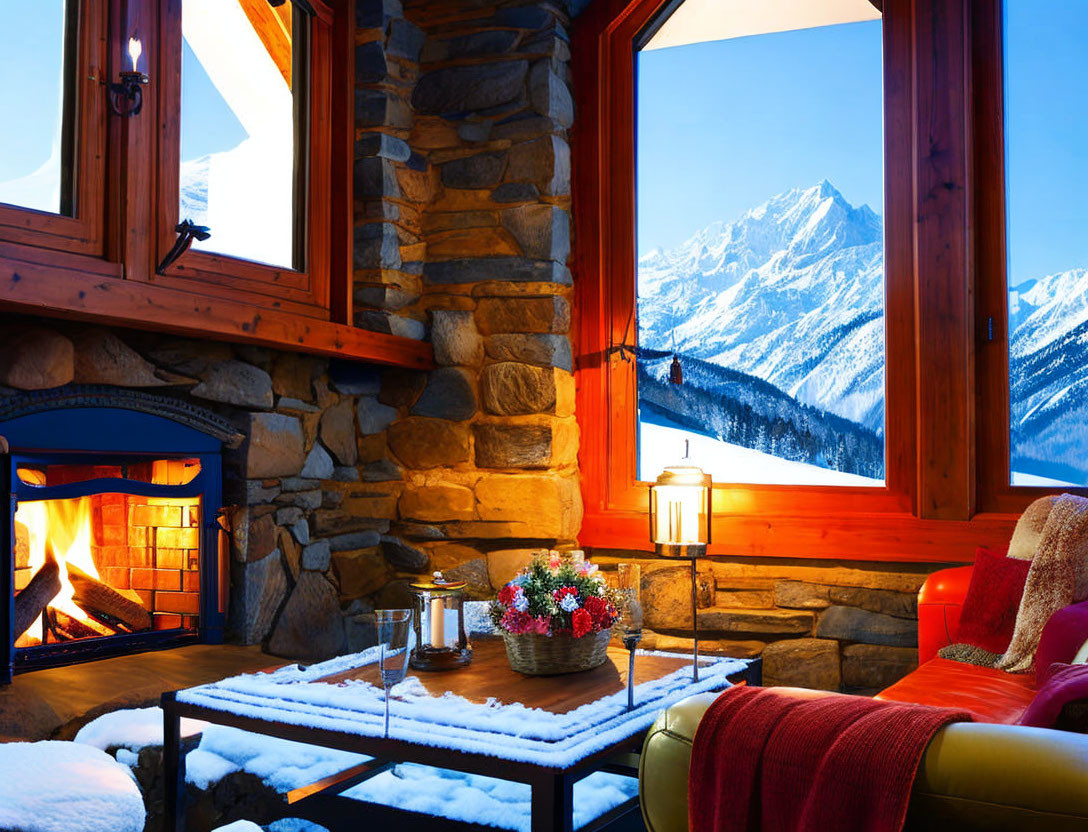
337	431
484	170
376	108
405	39
259	590
359	573
293	375
899	604
373	14
455	338
319	464
488	42
515	192
273	446
853	624
523	127
666	597
503	565
548	314
383	145
485	269
401	388
317	556
513	389
437	503
238	383
512	446
449	394
769	622
802	596
545	162
872	666
429	443
376	246
373	416
370	65
253	536
802	663
376	178
310	626
382	470
541	350
351	541
548	503
402	556
549	94
103	358
463	89
36	359
378	320
542	231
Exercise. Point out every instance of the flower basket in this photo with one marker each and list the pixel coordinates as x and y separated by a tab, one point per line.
538	655
556	616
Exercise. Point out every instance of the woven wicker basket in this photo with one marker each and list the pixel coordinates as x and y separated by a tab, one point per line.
539	655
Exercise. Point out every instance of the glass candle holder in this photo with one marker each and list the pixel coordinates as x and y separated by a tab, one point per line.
629	583
441	642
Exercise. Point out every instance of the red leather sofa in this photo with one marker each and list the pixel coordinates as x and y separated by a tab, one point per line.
991	695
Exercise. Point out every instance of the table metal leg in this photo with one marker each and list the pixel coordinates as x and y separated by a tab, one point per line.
173	762
553	804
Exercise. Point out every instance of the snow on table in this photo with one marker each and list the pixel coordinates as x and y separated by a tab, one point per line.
66	787
296	696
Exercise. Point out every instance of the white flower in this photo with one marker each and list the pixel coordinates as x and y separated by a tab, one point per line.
521	603
569	603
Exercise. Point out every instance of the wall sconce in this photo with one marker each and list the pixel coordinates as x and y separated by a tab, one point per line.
126	95
680	513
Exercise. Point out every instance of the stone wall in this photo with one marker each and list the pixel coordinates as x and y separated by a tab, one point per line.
832	625
462	185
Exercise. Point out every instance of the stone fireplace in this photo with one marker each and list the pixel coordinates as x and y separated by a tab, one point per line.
113	539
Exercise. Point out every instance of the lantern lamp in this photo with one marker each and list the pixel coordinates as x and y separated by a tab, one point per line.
680	510
441	643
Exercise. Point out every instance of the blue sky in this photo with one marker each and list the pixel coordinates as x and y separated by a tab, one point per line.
724	125
1046	89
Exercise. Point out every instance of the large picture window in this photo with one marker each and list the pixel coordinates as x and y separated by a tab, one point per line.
1046	176
760	242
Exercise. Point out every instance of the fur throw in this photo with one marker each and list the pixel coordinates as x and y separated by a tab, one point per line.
1058	576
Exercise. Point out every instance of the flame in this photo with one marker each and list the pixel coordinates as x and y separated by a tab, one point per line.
66	526
135	49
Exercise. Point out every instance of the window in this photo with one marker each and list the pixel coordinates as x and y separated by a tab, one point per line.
245	126
239	136
1046	178
35	160
760	271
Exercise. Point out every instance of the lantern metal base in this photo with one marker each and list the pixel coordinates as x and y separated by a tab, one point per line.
439	658
680	551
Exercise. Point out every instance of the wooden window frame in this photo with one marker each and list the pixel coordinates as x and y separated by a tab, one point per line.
101	265
83	231
928	509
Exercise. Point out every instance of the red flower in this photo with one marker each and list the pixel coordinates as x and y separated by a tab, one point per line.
516	622
506	595
599	610
580	622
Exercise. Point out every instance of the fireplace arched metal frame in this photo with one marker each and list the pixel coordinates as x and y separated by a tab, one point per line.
95	425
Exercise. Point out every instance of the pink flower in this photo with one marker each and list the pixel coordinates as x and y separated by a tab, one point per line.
555	560
542	625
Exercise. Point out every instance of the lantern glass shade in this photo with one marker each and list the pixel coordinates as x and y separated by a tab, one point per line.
680	511
441	643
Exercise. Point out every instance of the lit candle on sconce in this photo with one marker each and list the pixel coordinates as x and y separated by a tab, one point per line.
135	50
438	621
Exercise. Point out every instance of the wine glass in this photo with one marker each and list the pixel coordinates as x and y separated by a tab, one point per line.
393	627
629	583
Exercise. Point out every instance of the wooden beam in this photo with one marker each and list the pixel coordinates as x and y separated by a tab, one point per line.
274	28
40	289
943	269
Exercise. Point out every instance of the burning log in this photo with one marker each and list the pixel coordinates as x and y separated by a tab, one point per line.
66	628
96	597
43	588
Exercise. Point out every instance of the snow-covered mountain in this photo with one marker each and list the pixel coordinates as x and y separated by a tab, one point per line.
1048	375
791	293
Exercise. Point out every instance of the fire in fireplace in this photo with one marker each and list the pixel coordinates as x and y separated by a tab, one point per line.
114	542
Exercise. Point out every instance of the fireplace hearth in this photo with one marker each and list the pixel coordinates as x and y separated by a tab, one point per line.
113	541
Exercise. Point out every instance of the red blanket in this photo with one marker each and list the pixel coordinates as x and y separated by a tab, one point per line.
790	760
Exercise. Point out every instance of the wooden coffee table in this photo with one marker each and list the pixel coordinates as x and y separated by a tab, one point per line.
588	730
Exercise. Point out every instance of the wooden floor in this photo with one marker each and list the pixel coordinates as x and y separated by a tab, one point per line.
55	703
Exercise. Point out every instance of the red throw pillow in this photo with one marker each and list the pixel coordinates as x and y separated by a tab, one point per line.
993	597
1062	637
1067	686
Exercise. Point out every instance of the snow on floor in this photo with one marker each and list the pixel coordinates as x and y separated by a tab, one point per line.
131	729
66	787
663	445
